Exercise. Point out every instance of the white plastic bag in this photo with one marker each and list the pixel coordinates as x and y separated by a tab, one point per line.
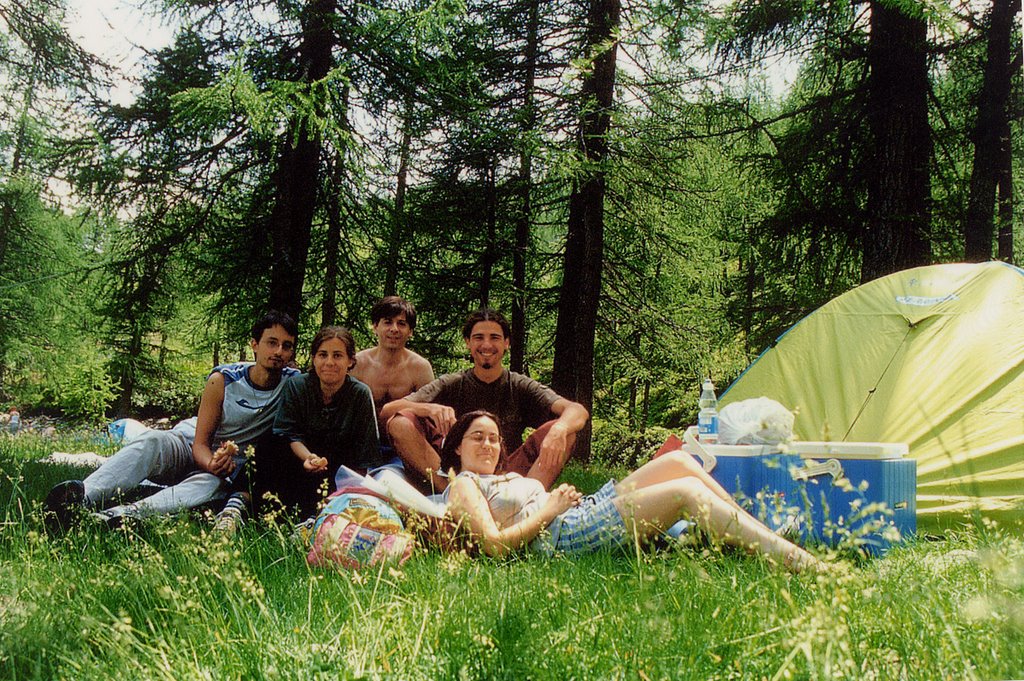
758	421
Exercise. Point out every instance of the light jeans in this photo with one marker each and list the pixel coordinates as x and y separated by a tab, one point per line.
163	457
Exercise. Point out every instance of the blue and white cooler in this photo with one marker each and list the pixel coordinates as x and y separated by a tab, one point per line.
737	468
859	494
757	476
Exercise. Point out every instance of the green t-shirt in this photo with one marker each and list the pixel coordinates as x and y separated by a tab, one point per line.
344	431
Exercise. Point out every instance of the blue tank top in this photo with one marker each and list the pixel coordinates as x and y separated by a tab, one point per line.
247	412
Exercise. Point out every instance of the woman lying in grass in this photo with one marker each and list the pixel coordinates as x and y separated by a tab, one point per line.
508	512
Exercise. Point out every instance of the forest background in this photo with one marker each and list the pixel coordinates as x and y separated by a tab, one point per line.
623	179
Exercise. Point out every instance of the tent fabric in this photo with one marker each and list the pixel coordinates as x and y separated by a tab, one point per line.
932	356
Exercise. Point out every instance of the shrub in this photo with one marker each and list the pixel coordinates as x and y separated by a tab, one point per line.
174	395
80	387
616	445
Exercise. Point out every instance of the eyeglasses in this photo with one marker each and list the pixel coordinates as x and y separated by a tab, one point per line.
480	438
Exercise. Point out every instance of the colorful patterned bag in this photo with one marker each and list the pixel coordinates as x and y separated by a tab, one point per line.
357	531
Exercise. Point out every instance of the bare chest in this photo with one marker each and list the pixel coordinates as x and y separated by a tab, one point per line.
389	382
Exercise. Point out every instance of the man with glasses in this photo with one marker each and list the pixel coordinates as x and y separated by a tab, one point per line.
198	460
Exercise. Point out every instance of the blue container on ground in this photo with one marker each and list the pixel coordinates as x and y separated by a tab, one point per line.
737	468
857	494
760	479
737	473
861	495
777	497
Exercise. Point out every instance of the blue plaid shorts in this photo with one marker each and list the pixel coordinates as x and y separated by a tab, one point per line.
594	524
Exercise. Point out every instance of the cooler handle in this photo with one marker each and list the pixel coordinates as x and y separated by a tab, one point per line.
815	468
708	459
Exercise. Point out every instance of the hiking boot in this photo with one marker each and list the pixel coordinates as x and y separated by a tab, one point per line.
232	517
119	517
64	504
228	521
302	533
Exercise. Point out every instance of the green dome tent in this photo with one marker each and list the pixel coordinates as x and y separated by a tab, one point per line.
932	356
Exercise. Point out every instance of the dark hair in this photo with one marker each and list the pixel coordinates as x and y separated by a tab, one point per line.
449	459
325	334
486	314
274	318
392	306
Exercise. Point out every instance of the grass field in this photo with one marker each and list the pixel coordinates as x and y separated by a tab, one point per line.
172	602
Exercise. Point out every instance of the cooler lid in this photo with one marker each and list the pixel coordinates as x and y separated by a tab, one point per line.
850	450
735	450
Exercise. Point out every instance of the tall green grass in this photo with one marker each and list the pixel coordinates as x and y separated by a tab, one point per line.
169	601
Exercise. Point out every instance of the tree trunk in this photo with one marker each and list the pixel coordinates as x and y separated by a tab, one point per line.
398	220
645	413
898	205
162	356
335	222
490	254
329	304
129	374
749	290
991	133
297	177
632	420
573	372
524	219
1005	198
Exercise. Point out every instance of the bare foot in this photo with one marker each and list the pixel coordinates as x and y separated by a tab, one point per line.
801	561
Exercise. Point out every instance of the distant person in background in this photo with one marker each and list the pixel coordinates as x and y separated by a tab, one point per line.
14	423
199	458
326	420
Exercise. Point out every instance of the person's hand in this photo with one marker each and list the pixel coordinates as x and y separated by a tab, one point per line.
562	498
228	448
223	462
315	464
553	448
442	416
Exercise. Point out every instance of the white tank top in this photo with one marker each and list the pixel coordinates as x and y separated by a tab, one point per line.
511	497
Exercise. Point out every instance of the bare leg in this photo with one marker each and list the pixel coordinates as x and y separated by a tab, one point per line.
673	466
656	507
415	452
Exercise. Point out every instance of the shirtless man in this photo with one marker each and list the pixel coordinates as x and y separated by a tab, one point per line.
390	369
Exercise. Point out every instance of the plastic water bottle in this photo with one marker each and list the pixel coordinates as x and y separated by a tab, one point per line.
707	419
